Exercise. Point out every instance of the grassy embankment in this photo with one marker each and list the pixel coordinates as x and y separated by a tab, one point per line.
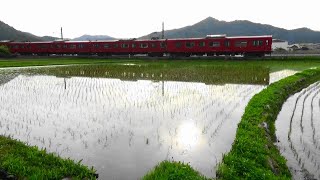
253	154
253	141
24	161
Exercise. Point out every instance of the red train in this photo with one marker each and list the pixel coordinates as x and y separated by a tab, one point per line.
212	45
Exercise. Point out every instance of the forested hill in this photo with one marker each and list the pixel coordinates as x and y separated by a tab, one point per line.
240	27
93	38
9	33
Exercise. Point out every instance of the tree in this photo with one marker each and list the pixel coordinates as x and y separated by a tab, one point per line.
4	51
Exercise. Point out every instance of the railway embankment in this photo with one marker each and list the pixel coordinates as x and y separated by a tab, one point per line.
253	154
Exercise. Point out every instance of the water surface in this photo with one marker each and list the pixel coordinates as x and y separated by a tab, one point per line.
297	127
124	120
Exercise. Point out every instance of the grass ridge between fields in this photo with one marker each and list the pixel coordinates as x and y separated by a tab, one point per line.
28	162
253	154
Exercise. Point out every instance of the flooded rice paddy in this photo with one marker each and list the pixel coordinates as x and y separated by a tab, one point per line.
123	120
298	127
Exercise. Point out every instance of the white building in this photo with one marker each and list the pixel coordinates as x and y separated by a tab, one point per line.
294	47
279	44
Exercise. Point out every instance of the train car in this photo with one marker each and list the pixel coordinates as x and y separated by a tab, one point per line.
221	45
212	45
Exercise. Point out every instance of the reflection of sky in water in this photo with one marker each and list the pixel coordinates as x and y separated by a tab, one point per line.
298	132
124	128
276	76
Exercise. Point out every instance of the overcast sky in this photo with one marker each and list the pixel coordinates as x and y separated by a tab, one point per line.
135	18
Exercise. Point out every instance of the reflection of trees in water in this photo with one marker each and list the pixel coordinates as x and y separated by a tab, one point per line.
299	143
206	74
6	76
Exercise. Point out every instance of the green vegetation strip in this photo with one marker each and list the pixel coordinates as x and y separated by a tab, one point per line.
253	154
173	171
299	63
26	162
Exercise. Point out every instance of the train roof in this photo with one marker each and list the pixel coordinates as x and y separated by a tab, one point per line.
263	36
223	37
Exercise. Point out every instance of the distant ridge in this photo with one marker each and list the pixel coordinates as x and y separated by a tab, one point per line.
237	28
9	33
201	29
93	38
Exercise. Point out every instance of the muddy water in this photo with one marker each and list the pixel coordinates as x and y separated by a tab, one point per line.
125	127
298	127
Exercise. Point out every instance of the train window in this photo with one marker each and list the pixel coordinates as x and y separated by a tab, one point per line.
115	46
260	42
133	45
257	43
227	43
202	44
79	46
22	47
96	45
65	46
106	45
241	44
144	45
178	45
214	44
15	46
153	45
42	46
125	45
189	44
162	45
73	46
267	42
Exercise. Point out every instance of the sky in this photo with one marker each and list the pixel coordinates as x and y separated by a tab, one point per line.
135	18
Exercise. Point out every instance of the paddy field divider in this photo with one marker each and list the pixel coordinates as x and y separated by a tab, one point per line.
254	154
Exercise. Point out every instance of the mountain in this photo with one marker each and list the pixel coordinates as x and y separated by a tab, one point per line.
9	33
240	27
93	38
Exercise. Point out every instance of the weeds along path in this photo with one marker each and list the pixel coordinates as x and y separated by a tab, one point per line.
254	154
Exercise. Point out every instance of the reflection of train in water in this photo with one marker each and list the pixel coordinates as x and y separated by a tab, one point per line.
212	45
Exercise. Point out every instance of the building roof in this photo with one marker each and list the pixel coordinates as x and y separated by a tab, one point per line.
278	40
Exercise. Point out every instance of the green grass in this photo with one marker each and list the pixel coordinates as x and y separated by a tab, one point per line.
173	171
299	63
253	154
27	162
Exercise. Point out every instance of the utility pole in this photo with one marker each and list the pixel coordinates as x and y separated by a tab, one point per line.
162	37
61	34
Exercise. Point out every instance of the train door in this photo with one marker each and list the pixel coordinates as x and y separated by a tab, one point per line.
227	46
